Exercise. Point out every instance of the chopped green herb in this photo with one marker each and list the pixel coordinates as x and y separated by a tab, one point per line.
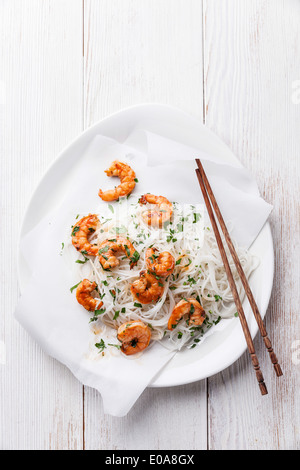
79	261
106	220
118	346
75	229
96	314
136	304
112	293
117	313
74	287
197	217
101	346
118	230
104	250
135	257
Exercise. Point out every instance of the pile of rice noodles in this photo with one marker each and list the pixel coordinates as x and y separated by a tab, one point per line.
198	273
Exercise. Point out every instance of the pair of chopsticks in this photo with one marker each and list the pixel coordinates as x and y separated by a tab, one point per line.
211	204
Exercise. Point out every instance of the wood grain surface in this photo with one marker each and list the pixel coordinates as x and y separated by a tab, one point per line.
233	64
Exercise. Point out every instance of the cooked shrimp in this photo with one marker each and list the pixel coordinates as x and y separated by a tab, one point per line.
135	337
109	248
127	178
80	233
161	264
84	297
147	288
156	216
190	307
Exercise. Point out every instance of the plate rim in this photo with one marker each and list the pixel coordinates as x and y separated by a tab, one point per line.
60	156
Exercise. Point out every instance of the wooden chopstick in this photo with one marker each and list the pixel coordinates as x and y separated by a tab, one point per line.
241	272
250	345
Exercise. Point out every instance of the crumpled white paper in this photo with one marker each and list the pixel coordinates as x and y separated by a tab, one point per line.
60	325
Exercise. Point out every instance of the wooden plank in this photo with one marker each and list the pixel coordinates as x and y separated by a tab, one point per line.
41	111
136	52
251	68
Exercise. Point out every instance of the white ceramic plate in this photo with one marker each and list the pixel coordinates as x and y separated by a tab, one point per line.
227	343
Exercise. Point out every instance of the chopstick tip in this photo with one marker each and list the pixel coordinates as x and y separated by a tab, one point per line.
263	388
278	370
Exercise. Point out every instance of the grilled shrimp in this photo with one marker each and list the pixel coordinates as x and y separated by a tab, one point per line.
161	264
147	288
190	307
127	178
135	337
80	233
156	217
83	295
109	248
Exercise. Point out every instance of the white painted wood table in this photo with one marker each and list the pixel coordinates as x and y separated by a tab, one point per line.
235	65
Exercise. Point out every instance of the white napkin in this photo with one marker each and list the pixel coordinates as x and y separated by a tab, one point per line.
50	312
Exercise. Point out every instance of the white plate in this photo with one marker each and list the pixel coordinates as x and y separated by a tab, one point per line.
227	343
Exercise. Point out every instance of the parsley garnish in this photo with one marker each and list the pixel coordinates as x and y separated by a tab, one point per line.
118	230
75	229
118	346
101	346
135	257
196	217
74	287
104	250
96	314
117	313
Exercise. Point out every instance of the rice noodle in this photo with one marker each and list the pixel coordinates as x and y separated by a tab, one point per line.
199	271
